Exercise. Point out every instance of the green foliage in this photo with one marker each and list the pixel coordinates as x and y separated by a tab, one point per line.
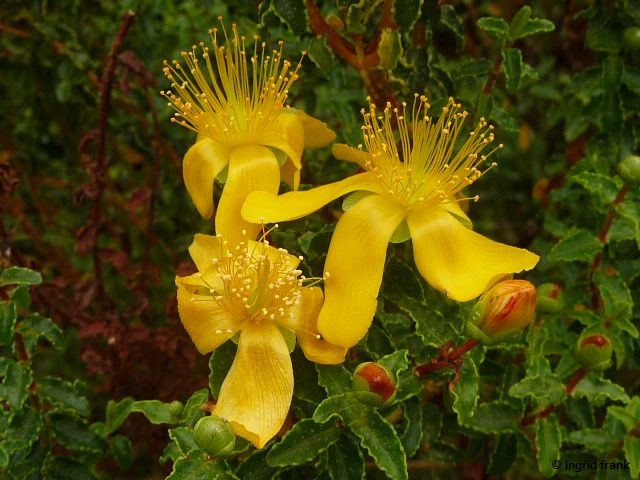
95	366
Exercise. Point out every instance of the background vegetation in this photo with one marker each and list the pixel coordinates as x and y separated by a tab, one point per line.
99	379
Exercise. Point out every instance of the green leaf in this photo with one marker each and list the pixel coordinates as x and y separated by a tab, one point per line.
65	468
406	12
465	392
23	430
503	455
513	67
518	22
531	27
593	439
219	365
412	433
121	450
632	454
495	417
73	433
156	411
320	54
64	395
430	325
618	302
198	466
630	211
401	281
183	438
21	297
476	67
20	276
375	433
16	383
496	27
304	442
334	378
450	19
604	40
344	460
8	317
192	413
628	415
117	413
543	388
548	443
34	327
293	13
598	389
255	467
603	188
612	72
577	246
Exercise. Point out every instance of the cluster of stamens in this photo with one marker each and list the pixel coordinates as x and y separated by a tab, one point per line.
251	284
226	99
419	161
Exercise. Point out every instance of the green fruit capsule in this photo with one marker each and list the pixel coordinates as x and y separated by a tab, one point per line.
372	384
629	169
631	38
215	436
549	298
593	351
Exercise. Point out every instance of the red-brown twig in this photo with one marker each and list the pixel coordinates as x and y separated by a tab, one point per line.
100	173
449	357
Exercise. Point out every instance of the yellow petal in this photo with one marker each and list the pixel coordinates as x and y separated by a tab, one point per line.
304	321
316	133
251	168
203	250
208	325
268	208
201	165
354	266
285	133
457	260
350	154
290	174
256	394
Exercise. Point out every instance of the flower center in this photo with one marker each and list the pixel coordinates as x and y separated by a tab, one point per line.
420	162
256	281
225	99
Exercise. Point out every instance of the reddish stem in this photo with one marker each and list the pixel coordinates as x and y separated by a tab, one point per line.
596	299
108	79
449	357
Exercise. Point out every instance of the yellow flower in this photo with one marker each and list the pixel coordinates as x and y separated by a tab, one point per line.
235	103
410	188
252	292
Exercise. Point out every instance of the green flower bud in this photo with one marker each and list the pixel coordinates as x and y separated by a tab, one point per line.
550	298
176	407
502	312
594	351
214	435
629	169
631	38
372	384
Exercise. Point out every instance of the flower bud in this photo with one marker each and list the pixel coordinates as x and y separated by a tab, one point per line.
372	384
503	311
176	407
214	435
594	351
629	169
550	298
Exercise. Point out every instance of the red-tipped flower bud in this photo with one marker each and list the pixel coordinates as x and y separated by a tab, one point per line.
372	384
594	351
629	169
550	298
214	435
503	311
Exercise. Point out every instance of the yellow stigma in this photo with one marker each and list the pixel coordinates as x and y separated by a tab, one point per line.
231	96
255	281
421	162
